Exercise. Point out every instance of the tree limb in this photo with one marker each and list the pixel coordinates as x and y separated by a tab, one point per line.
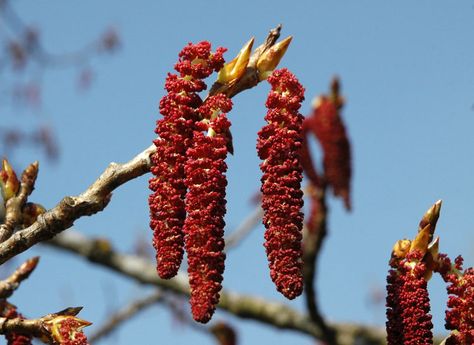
314	235
9	285
122	315
46	327
63	215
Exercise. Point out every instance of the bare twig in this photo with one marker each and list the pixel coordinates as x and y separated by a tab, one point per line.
271	313
14	205
42	327
313	238
125	314
9	285
93	200
247	225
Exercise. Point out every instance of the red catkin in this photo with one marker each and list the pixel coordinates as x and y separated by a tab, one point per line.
205	204
15	338
306	160
394	324
175	131
69	334
279	145
460	313
408	303
328	127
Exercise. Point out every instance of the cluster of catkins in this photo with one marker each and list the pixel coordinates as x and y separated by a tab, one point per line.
187	206
408	305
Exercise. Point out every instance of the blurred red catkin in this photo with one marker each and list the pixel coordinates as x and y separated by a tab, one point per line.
205	204
279	145
460	313
306	160
326	123
175	130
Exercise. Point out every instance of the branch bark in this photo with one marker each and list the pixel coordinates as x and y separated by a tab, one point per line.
121	316
93	200
44	327
9	285
14	205
314	235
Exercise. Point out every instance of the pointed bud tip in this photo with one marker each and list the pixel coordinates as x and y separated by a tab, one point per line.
335	84
431	217
235	69
33	262
9	183
270	59
435	209
422	240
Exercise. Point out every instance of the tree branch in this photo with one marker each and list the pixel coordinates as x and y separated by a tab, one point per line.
314	235
14	204
46	327
121	316
93	200
248	307
9	285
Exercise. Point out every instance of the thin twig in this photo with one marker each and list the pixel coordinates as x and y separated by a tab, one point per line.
41	327
314	235
125	314
247	225
93	200
9	285
271	313
14	204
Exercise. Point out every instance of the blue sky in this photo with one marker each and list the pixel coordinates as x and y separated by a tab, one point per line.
407	74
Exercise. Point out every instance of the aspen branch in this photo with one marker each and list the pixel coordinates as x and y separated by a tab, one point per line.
125	314
18	325
63	215
14	205
42	327
314	235
244	306
9	285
